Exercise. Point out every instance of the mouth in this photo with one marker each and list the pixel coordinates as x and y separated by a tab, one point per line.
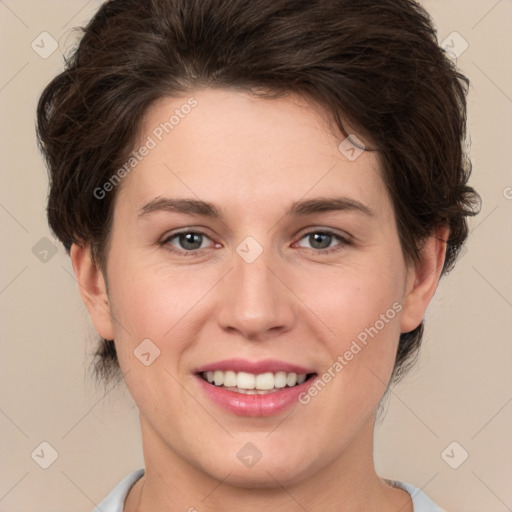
255	384
254	388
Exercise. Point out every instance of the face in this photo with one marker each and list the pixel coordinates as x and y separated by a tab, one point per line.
290	280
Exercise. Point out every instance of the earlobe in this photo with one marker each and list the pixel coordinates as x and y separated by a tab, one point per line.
93	289
423	278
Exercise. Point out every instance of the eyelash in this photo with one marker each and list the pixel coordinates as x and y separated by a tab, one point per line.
343	242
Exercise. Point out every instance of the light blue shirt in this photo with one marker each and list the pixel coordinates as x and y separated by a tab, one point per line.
114	502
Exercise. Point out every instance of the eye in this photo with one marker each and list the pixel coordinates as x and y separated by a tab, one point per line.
186	241
189	243
321	241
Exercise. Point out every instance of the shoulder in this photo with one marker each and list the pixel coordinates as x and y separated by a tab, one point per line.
421	502
114	502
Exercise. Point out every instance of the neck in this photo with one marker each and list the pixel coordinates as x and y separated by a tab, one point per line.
347	483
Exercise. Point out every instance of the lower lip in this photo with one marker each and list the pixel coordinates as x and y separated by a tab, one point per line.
254	405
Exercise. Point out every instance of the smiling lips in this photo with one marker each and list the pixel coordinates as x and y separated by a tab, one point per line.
250	388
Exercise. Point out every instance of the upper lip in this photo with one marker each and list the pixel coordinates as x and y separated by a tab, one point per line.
255	367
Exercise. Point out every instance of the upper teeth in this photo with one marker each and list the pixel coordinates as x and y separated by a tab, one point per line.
262	381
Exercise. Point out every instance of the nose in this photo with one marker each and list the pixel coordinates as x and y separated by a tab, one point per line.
256	301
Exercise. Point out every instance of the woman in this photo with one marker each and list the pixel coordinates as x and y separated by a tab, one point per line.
259	199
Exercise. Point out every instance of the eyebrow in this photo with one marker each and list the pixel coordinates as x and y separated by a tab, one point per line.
297	209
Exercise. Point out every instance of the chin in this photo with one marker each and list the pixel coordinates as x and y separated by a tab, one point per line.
266	472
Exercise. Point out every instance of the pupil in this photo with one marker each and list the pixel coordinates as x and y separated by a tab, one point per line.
317	237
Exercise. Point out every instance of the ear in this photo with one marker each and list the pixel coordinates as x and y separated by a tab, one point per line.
423	278
93	289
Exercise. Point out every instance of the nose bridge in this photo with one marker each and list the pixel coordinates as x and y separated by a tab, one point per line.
255	300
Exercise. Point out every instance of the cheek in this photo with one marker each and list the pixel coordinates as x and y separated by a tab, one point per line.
353	299
155	303
359	360
363	308
360	357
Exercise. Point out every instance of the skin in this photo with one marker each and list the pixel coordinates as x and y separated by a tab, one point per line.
252	158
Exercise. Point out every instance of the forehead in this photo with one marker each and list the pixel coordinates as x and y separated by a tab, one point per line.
230	147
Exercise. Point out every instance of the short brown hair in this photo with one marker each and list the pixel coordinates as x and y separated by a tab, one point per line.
376	63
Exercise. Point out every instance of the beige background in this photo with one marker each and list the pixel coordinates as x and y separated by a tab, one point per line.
460	390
